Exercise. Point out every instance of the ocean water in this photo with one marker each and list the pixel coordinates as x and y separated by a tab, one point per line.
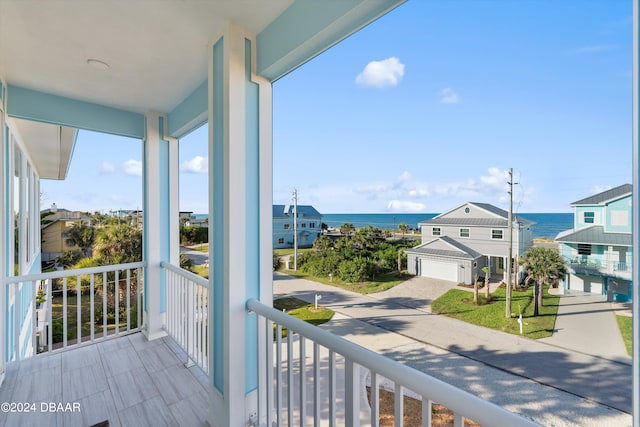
546	224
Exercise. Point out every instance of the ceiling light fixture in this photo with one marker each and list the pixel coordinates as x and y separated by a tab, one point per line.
97	64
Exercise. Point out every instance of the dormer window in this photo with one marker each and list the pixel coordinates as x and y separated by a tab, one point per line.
589	217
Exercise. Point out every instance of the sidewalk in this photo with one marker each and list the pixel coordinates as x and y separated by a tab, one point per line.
587	324
491	364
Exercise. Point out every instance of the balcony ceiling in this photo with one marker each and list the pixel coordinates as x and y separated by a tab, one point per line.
102	64
156	50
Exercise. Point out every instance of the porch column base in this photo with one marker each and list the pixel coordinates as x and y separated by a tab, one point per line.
154	335
153	327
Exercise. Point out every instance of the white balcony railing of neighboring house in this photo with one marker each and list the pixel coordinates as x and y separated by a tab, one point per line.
310	362
187	311
62	309
600	264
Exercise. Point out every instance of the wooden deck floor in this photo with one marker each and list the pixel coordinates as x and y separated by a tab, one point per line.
127	381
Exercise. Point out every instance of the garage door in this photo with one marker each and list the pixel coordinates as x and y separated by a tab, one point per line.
586	284
439	270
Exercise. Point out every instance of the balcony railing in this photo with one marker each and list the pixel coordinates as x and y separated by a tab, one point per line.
61	309
187	313
297	385
593	265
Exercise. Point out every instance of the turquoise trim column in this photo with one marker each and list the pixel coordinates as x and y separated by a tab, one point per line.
158	211
239	163
636	213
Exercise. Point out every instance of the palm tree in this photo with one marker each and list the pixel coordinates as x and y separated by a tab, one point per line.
119	244
346	229
487	275
82	236
403	229
542	265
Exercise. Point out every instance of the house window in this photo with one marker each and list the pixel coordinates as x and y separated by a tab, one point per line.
619	218
496	234
464	232
303	225
589	217
286	226
312	225
281	241
436	231
584	249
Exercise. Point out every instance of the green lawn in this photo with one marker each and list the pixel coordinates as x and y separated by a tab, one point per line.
57	314
303	311
289	251
459	304
201	270
626	329
382	283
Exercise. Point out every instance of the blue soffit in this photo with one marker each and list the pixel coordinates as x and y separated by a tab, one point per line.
43	107
309	27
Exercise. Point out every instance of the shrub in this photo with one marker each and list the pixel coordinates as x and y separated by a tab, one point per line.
57	331
356	270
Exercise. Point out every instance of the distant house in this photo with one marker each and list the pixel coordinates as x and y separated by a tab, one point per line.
598	249
457	244
55	222
309	226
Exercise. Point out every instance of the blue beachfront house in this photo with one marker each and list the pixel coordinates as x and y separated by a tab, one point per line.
309	226
148	343
598	250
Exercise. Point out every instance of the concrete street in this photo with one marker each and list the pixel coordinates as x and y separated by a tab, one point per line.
557	381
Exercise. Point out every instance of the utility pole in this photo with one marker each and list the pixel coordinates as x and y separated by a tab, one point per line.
295	229
510	225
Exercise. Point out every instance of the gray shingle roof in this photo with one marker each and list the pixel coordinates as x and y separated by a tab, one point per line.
606	196
594	235
493	209
304	210
475	222
482	222
461	252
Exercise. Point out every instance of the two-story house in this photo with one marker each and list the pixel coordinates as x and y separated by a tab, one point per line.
55	223
309	226
457	244
598	249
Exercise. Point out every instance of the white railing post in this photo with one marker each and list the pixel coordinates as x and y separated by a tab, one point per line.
352	392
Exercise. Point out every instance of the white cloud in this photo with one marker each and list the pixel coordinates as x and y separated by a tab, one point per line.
595	48
407	193
497	178
449	96
133	167
379	74
198	164
107	168
600	188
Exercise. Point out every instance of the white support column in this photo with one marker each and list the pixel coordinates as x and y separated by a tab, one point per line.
240	198
160	185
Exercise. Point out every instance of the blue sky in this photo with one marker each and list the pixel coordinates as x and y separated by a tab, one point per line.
423	110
